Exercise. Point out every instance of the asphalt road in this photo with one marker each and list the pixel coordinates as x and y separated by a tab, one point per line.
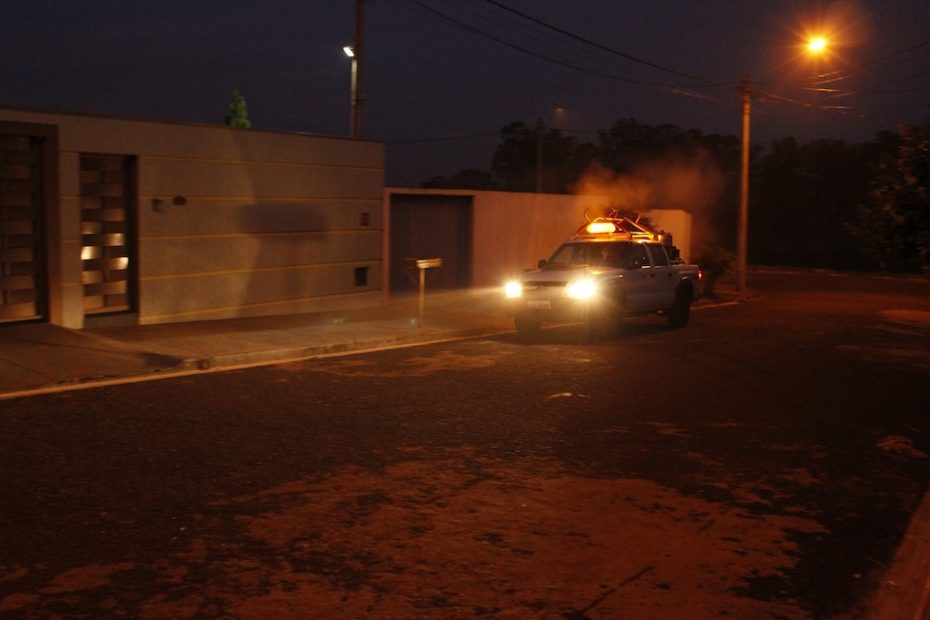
761	463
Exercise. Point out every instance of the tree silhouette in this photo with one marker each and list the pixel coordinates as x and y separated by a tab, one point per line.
823	203
526	154
238	115
895	222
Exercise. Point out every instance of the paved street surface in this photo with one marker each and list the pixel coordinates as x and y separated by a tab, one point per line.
763	462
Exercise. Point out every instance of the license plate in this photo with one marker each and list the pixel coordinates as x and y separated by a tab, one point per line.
539	304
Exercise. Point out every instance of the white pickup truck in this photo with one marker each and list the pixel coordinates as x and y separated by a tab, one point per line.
611	268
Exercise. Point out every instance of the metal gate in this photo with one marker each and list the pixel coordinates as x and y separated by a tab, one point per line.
431	226
22	274
107	233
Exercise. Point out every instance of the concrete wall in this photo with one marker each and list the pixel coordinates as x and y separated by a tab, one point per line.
512	231
271	223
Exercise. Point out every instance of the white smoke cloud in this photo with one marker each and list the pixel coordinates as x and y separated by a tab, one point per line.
691	182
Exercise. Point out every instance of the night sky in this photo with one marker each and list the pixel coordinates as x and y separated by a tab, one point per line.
462	69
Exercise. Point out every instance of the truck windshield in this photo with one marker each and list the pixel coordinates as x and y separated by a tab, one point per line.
594	254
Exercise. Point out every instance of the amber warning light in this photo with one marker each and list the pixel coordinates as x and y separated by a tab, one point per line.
596	228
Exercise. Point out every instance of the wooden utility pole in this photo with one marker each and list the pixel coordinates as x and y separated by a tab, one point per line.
743	234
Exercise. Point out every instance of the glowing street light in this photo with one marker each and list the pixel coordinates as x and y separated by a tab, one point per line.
817	45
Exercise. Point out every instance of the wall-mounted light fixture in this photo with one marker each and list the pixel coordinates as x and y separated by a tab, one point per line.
160	205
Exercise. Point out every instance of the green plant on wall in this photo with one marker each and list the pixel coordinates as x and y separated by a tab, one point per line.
238	115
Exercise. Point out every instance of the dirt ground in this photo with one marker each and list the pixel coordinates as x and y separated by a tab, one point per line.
455	537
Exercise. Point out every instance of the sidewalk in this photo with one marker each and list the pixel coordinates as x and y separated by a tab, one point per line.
44	357
39	357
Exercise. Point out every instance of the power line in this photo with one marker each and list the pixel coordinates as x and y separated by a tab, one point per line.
676	89
514	26
564	130
879	62
443	138
427	10
682	90
605	48
843	110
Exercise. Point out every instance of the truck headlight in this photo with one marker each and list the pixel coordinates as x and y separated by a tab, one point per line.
513	289
581	289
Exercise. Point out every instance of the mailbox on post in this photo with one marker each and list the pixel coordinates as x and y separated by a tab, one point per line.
421	265
429	263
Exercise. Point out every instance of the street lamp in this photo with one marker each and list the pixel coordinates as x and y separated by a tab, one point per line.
556	116
356	53
816	46
353	96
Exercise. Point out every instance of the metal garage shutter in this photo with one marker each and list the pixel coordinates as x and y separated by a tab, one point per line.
21	264
107	233
429	226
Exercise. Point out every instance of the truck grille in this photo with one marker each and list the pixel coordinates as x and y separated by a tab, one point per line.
535	286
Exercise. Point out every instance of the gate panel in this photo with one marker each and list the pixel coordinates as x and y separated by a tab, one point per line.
429	226
107	233
21	273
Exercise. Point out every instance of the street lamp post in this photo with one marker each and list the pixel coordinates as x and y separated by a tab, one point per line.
353	96
557	115
355	52
539	155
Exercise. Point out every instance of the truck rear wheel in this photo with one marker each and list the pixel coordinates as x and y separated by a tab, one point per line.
680	311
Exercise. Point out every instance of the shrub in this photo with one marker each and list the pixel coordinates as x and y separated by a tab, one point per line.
714	262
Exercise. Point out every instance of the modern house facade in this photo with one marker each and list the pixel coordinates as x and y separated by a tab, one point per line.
112	220
117	221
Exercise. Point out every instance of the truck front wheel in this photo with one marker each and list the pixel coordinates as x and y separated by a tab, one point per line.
604	321
527	324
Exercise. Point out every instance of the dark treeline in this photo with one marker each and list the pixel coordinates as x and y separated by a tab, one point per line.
824	203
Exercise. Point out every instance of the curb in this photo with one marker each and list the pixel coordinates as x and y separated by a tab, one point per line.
272	356
193	364
231	361
904	591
